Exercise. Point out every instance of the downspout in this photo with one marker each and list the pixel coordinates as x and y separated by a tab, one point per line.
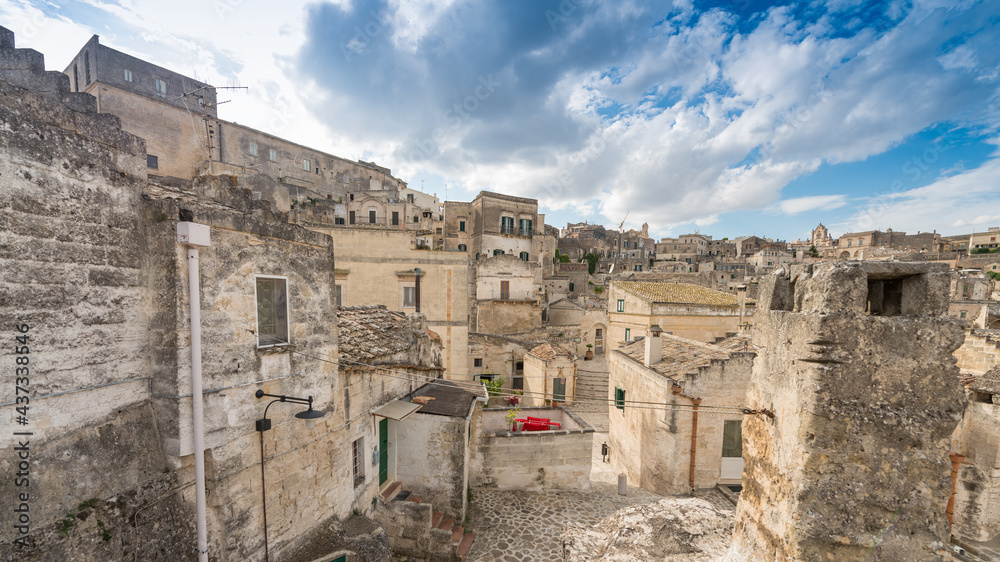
194	235
956	460
677	390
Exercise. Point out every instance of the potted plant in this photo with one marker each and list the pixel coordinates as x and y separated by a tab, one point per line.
590	352
512	415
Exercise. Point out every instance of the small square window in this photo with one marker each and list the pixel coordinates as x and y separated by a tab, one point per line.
462	247
272	311
128	75
161	87
272	155
152	162
621	305
253	149
409	297
477	362
358	454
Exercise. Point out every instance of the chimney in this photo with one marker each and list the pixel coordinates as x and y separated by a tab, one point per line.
741	298
654	346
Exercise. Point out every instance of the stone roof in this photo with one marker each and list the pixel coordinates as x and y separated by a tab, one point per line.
680	293
549	352
573	266
371	332
989	383
680	356
449	399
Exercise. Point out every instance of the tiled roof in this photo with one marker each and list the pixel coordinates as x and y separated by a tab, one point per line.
680	356
989	383
680	293
371	332
548	352
573	266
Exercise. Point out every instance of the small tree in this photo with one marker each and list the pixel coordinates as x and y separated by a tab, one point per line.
813	251
592	260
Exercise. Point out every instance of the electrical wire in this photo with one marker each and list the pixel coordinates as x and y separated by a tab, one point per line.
477	387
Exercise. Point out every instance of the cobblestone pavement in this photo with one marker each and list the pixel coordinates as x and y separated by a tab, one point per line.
515	525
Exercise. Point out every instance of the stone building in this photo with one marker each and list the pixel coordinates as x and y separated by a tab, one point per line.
549	376
677	447
102	292
388	277
493	224
509	295
682	309
854	396
979	242
976	453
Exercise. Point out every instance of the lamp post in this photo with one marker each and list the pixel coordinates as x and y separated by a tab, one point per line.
264	424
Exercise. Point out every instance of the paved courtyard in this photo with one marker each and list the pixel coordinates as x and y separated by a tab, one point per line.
515	525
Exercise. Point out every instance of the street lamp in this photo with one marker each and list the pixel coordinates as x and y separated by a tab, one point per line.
264	424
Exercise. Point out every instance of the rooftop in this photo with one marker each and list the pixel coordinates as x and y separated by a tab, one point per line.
988	383
548	352
448	399
680	293
371	332
680	356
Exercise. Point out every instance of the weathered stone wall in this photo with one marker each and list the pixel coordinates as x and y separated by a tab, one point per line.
977	490
855	363
532	460
373	265
980	351
522	277
539	375
432	460
507	317
652	446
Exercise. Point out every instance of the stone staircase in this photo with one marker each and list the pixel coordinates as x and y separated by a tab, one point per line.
418	530
591	382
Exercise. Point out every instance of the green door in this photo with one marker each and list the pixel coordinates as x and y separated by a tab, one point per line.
383	450
559	389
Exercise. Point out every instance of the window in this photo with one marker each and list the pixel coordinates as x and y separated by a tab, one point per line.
525	225
395	218
462	247
338	293
371	216
161	87
152	161
517	383
76	79
128	75
505	290
86	66
572	286
477	362
732	438
620	398
306	165
358	453
523	256
497	252
272	311
519	367
272	155
253	148
409	297
351	217
628	334
621	305
506	225
461	226
962	314
416	218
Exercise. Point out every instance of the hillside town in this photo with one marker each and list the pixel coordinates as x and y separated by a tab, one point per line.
231	346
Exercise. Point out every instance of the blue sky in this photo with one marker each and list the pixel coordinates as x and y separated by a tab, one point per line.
728	117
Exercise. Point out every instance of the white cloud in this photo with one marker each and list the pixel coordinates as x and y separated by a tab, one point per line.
811	203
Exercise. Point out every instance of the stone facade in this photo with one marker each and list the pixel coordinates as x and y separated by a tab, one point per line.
652	444
980	351
548	368
858	395
977	486
558	459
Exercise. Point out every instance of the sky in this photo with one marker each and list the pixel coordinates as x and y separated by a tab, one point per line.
727	118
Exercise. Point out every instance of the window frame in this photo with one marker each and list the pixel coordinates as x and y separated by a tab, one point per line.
129	77
726	424
621	305
628	334
252	149
620	398
402	296
306	165
157	82
152	162
477	361
358	457
272	155
288	316
461	226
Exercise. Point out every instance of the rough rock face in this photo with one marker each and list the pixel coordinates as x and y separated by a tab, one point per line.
670	529
855	362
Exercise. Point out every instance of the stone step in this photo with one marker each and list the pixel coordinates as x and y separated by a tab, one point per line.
414	499
436	519
456	533
391	490
447	524
465	545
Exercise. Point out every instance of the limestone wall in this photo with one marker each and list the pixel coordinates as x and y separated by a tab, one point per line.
855	364
432	460
977	490
980	351
532	460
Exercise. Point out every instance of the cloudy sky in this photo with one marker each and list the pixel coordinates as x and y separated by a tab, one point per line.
727	117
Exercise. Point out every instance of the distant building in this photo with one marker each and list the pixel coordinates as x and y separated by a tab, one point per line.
681	309
989	240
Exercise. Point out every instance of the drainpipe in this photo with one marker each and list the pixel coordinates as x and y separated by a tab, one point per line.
416	290
677	390
194	236
956	460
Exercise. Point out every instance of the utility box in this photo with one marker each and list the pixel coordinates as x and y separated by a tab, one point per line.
193	234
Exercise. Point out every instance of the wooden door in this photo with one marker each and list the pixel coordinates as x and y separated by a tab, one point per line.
383	450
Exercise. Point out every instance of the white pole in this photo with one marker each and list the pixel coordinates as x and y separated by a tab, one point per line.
197	406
